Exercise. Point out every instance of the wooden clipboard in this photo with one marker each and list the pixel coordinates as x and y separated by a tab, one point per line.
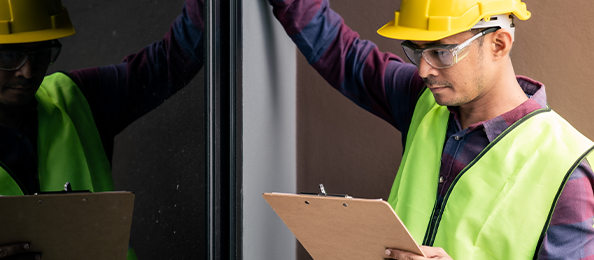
342	227
92	226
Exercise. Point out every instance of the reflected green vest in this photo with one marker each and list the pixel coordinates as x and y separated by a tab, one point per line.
68	144
500	205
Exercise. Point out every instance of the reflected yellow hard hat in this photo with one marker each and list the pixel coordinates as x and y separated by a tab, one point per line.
23	21
431	20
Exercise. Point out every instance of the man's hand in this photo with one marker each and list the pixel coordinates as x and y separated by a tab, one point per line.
19	251
430	252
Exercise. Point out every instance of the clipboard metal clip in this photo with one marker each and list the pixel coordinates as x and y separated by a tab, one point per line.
322	190
323	193
67	189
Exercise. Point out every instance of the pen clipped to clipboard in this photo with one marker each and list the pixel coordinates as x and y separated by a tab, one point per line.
340	226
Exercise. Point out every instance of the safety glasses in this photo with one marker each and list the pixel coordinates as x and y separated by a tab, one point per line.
443	55
13	59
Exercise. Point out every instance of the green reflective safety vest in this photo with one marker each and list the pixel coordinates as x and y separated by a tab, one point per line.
68	144
500	205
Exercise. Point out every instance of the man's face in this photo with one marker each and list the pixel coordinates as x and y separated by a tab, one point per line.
460	84
18	87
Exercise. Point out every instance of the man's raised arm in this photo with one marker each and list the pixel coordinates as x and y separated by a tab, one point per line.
119	94
376	81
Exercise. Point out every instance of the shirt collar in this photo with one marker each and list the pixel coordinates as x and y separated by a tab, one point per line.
495	126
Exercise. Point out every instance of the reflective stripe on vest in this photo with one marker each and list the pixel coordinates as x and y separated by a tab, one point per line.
500	205
68	145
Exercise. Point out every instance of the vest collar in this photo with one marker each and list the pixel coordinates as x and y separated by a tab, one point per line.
495	126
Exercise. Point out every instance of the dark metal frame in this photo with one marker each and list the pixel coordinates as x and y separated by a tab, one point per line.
223	113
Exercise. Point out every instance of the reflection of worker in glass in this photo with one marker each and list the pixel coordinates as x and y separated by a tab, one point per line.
488	171
60	127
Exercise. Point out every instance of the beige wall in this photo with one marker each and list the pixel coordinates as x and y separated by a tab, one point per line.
354	152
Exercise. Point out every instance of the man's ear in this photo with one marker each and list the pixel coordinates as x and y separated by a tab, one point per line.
501	42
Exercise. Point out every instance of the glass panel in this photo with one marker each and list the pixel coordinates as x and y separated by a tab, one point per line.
161	155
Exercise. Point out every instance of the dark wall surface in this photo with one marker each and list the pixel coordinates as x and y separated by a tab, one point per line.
160	156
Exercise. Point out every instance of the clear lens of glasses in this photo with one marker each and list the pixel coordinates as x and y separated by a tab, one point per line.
13	60
413	55
442	56
437	57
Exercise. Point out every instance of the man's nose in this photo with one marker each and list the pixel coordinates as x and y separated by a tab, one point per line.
27	70
425	69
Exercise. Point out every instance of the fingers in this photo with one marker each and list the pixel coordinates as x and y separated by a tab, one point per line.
401	255
13	249
434	251
430	252
24	256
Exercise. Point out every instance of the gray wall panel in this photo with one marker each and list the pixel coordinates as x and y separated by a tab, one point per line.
269	131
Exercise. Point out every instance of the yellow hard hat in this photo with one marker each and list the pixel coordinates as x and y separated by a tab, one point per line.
23	21
431	20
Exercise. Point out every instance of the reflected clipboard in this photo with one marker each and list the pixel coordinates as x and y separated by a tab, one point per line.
342	227
69	225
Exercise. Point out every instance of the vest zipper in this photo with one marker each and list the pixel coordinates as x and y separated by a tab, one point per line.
13	176
432	222
438	209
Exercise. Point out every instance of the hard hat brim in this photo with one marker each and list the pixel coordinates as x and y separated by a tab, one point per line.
391	31
37	36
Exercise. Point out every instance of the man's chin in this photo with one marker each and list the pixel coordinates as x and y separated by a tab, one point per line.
440	99
444	101
17	101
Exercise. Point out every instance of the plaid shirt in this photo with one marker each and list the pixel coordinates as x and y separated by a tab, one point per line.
387	87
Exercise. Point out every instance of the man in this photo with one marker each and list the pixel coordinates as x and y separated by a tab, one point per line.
60	127
489	171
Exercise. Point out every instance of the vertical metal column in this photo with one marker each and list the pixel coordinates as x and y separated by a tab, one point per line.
235	184
223	106
212	86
